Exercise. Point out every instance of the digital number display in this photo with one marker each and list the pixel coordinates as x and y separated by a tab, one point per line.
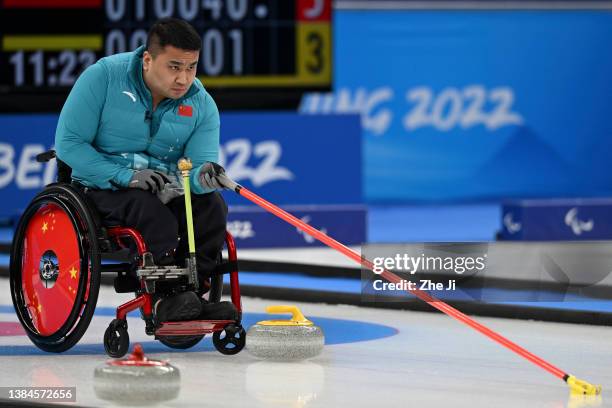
45	44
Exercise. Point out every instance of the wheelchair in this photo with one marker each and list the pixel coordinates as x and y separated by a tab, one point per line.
56	265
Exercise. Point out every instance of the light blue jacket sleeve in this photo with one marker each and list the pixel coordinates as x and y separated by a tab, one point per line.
203	146
77	128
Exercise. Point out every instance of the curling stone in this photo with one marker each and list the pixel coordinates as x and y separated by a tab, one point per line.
285	340
136	380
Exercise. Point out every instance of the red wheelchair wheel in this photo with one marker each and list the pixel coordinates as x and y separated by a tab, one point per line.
55	268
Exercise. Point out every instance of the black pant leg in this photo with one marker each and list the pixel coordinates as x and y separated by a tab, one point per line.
142	211
209	219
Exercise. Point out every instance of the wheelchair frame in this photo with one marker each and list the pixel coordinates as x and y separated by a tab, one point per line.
35	260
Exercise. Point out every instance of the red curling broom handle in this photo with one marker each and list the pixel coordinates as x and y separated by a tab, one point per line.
391	277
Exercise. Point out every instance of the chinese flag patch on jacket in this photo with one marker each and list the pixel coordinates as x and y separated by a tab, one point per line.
185	110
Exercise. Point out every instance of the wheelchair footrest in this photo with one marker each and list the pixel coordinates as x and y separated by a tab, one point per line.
191	327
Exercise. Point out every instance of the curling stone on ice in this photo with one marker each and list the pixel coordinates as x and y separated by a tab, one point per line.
290	340
137	380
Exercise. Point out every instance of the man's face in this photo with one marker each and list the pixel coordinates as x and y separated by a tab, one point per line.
171	72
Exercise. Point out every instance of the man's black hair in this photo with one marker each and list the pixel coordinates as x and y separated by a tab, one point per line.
172	31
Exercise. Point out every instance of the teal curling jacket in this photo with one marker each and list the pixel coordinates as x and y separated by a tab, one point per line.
107	127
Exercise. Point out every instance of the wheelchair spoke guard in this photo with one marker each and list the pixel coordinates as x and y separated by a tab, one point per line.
55	268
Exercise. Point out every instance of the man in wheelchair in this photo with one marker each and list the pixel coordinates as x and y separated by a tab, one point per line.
124	126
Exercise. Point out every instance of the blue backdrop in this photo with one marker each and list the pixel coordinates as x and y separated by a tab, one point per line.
472	105
309	165
284	157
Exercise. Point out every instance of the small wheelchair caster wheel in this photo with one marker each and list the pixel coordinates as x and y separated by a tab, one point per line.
230	340
116	339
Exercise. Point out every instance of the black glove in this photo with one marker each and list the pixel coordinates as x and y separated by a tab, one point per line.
148	180
208	175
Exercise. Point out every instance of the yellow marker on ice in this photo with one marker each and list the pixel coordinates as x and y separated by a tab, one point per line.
578	386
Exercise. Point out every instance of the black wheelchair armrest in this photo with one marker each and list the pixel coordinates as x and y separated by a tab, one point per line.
64	172
46	156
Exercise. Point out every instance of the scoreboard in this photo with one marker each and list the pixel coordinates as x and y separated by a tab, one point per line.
250	47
